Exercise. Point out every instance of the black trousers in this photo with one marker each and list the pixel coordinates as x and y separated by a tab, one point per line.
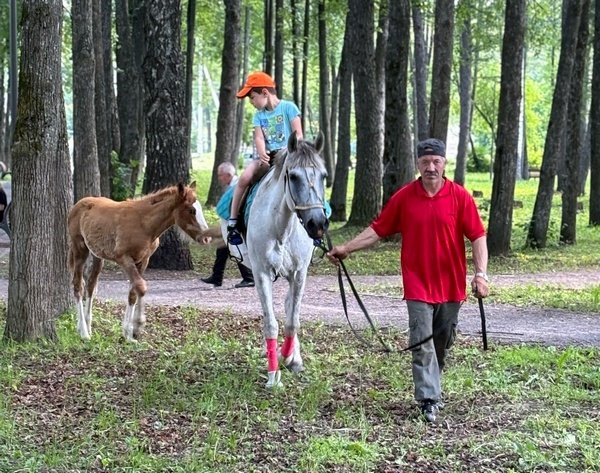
222	256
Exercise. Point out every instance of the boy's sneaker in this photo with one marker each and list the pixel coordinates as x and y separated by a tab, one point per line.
234	237
430	410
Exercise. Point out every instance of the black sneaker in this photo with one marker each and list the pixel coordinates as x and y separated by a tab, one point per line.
212	280
430	410
245	283
234	237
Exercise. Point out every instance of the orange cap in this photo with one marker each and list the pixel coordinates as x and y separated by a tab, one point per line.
256	79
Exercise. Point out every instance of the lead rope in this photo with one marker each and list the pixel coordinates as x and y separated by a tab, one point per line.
342	267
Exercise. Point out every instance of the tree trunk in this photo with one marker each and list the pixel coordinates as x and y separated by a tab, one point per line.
439	111
586	150
304	106
398	156
165	119
466	104
39	287
507	149
240	107
103	139
366	203
420	72
189	75
227	94
112	117
279	47
325	95
296	40
129	103
540	219
574	148
339	192
268	51
3	112
595	127
380	59
85	151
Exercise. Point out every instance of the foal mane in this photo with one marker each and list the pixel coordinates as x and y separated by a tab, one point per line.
305	155
169	193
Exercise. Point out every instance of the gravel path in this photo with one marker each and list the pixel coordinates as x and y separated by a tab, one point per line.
322	303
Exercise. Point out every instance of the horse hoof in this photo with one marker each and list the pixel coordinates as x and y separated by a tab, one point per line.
274	380
293	363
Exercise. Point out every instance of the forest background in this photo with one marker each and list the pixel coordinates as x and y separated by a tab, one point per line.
142	86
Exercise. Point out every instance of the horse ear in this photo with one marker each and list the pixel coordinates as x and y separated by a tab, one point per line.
180	188
193	186
292	142
320	141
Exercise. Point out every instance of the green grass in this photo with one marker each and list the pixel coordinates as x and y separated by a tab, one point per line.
550	295
190	397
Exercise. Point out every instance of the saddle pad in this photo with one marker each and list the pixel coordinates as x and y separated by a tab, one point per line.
224	204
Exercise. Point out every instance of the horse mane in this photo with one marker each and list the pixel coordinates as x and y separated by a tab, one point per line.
305	155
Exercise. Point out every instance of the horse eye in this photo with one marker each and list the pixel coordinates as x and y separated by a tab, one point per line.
193	210
293	177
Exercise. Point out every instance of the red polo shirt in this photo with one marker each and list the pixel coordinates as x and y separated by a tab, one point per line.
433	260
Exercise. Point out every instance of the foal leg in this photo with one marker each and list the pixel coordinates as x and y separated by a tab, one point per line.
139	317
92	284
137	288
78	254
290	350
264	287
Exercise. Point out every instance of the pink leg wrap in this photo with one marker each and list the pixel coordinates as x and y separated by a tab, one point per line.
272	354
287	347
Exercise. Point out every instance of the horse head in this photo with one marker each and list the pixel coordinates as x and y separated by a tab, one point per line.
188	214
305	182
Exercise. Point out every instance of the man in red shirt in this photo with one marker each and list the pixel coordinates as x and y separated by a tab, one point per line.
434	216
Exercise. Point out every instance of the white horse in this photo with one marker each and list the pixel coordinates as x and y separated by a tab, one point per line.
286	216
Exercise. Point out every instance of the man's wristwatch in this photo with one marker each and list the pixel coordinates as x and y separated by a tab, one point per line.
482	275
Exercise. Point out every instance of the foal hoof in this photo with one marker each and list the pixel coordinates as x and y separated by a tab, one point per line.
274	380
84	333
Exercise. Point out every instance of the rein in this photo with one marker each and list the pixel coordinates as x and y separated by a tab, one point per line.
386	348
342	267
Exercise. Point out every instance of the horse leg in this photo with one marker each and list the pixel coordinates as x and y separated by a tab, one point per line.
290	349
92	284
137	288
78	253
264	287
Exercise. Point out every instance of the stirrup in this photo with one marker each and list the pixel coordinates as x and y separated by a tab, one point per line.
234	237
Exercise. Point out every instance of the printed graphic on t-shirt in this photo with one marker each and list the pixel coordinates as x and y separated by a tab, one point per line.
274	131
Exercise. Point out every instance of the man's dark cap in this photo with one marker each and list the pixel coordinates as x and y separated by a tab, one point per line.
431	146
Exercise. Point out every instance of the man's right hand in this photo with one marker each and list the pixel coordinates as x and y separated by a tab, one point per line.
337	253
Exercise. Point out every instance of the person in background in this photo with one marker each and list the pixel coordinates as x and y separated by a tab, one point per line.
433	215
274	122
3	202
227	178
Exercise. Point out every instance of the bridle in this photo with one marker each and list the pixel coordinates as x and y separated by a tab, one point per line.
311	188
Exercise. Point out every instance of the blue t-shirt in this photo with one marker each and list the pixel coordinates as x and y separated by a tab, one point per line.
275	124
